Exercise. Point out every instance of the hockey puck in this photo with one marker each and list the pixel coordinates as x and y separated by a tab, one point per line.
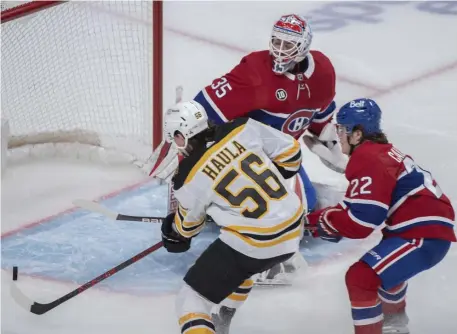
15	271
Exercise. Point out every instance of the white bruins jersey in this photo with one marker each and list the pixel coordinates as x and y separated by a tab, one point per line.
238	182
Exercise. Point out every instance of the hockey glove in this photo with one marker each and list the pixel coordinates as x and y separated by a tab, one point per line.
172	240
319	225
329	152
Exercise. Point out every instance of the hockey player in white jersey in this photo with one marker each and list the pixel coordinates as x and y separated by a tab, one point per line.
234	172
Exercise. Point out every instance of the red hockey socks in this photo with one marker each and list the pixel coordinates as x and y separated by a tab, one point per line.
362	284
393	300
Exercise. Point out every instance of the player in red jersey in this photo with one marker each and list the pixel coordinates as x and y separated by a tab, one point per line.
389	191
288	87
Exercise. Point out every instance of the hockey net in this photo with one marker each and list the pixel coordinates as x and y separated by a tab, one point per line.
83	77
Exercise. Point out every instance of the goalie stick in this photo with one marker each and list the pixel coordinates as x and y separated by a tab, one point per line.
41	308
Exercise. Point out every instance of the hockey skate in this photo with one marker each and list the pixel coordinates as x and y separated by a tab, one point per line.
283	273
222	319
396	323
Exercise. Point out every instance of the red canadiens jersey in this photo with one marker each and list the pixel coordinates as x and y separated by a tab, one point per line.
291	103
387	187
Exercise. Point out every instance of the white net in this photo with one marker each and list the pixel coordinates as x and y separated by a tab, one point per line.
80	72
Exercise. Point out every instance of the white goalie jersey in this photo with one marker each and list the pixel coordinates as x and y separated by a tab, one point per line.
238	180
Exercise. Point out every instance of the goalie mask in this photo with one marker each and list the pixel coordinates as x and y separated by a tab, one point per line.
290	42
187	119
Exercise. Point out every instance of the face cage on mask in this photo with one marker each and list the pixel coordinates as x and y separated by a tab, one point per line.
281	66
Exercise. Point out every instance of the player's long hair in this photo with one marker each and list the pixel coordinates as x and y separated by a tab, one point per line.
378	137
204	137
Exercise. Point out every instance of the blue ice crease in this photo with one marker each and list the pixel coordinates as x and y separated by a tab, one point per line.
80	245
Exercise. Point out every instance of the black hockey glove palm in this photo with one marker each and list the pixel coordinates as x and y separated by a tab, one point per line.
172	240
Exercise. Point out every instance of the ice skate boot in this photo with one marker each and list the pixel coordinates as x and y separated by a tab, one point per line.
283	273
222	319
395	323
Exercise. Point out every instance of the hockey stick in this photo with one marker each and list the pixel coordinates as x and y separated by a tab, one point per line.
103	210
39	308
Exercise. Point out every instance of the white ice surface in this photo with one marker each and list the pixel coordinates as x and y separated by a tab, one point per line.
419	117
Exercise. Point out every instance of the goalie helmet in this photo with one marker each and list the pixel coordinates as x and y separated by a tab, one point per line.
188	119
364	112
290	42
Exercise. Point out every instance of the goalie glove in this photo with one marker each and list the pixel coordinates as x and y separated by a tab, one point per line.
172	240
327	148
162	163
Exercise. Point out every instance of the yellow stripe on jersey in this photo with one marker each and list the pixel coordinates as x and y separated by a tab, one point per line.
249	283
193	316
293	164
271	243
213	149
196	323
269	236
289	153
241	293
186	224
185	228
182	210
267	230
238	297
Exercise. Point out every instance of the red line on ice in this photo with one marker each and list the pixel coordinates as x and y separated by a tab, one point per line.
421	77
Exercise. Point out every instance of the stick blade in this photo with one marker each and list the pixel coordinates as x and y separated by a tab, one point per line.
95	207
19	297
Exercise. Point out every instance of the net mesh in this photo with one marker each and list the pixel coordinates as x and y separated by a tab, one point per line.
80	72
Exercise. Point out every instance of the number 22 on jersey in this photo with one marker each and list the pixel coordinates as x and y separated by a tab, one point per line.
360	186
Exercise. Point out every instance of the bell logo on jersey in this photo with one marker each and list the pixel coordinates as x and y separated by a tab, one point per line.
298	122
281	94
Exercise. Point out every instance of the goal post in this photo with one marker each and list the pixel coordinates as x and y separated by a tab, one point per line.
85	72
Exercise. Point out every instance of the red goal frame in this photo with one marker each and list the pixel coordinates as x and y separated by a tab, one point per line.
157	61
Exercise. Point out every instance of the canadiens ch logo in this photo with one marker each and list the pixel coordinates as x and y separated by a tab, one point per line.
281	94
298	122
